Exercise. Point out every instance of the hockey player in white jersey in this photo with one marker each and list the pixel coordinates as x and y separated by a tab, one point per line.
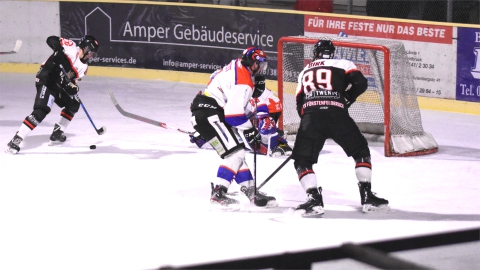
269	109
220	116
322	104
53	86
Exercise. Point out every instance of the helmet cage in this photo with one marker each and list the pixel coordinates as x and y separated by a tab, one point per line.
254	55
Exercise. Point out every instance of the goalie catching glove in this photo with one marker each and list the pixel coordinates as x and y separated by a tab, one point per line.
253	137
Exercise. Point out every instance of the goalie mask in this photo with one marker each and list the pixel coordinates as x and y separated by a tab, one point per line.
324	49
252	55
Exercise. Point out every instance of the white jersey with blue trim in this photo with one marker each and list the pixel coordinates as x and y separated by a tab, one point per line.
232	88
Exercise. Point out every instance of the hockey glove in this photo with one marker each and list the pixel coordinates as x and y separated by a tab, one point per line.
197	139
71	88
259	86
348	100
54	43
266	125
253	137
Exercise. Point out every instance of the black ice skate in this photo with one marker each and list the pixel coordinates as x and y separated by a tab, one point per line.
14	145
282	150
370	202
260	199
314	204
219	198
57	136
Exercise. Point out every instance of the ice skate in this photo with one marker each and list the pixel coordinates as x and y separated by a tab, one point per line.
314	204
14	145
260	199
282	150
57	136
370	202
220	199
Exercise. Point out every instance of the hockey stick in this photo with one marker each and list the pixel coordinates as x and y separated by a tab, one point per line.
18	44
255	124
100	131
143	119
274	172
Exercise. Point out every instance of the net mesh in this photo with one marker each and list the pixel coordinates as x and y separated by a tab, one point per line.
403	117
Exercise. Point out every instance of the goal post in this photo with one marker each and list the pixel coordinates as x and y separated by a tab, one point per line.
388	109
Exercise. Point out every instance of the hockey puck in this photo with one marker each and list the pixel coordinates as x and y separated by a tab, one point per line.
93	146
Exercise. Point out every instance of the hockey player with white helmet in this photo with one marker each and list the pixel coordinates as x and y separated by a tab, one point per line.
220	116
53	86
322	104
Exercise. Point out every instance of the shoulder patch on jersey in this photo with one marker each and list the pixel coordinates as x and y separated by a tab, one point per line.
243	75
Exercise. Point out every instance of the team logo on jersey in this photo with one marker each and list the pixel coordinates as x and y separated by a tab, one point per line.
323	94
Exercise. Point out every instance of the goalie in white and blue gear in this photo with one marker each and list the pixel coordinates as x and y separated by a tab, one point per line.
269	108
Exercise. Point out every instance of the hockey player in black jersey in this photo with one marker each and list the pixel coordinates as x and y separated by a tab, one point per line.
53	86
322	104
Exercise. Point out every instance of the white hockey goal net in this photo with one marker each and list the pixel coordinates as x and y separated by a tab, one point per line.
388	109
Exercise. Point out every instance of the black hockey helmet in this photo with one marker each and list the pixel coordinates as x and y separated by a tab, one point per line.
89	43
323	49
259	86
252	55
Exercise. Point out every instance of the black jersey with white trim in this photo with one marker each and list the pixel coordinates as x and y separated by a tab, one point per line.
323	82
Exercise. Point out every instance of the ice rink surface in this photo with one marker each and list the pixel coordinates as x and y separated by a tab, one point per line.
141	199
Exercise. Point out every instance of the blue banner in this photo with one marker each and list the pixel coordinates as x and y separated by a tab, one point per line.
468	64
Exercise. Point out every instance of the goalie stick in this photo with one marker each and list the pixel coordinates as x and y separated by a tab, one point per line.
100	131
143	119
18	44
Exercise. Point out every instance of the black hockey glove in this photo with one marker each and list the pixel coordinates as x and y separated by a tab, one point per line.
54	43
71	88
253	137
348	100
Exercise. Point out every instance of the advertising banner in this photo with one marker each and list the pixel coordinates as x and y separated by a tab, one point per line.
428	48
468	64
194	39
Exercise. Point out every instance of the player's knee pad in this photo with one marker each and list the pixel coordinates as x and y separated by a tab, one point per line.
302	167
230	165
40	113
67	114
234	160
270	141
363	152
306	175
363	169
